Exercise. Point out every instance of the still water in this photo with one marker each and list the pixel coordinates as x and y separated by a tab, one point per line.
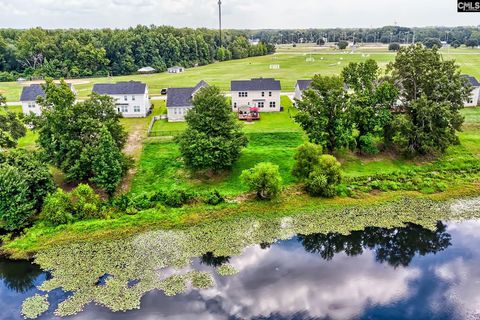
377	273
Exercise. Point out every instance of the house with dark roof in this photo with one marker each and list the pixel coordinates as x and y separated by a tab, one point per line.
474	99
260	93
179	101
29	97
131	97
301	86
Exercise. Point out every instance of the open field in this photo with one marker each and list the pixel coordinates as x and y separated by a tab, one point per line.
293	66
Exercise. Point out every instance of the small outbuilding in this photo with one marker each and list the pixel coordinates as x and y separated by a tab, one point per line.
474	99
176	69
146	70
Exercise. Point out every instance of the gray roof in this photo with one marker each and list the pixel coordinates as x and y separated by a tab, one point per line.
129	87
472	80
303	84
32	92
257	84
182	97
176	67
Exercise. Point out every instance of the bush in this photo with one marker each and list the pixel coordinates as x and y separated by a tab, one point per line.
15	206
264	179
306	159
213	198
86	203
394	46
367	144
174	198
342	45
57	209
324	179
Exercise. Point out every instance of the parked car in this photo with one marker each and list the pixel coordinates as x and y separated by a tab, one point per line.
164	91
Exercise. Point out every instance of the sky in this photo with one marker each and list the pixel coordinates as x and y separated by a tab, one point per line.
237	14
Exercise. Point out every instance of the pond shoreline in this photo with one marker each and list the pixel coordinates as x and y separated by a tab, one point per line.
38	237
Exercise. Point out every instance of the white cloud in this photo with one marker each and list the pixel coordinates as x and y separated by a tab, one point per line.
238	13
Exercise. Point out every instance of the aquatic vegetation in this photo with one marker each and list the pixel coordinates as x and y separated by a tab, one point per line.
162	260
35	306
227	270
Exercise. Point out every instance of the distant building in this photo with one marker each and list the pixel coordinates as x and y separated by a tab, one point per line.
176	69
474	99
146	70
131	98
179	101
29	98
261	93
301	86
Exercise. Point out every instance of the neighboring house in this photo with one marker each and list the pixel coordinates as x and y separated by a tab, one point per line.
29	97
261	93
131	98
179	101
176	69
474	99
301	86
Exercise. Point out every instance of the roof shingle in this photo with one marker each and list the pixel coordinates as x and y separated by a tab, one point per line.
32	92
472	80
182	97
257	84
303	84
128	87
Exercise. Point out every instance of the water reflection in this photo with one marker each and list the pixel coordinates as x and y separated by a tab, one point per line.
377	273
395	246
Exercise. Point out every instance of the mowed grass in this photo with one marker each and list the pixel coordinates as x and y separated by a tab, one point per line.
293	66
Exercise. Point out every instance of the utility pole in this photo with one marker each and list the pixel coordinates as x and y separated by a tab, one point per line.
220	20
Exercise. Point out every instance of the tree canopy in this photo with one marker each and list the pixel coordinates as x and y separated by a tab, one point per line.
11	127
213	139
83	139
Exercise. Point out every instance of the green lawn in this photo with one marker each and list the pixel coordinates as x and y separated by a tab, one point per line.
293	66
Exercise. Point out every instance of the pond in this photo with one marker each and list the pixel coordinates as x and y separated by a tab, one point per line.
408	272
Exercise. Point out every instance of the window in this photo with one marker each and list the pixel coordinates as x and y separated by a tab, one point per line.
125	98
235	105
123	109
31	105
272	104
243	94
133	98
136	109
263	93
174	110
261	104
270	94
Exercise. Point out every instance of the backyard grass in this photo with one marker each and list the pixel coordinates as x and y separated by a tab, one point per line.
293	66
161	167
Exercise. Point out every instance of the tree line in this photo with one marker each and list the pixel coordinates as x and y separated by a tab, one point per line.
469	36
80	53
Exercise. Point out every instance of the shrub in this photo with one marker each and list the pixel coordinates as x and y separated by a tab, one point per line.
342	45
86	203
213	198
394	46
324	179
57	209
264	179
367	144
306	159
15	206
174	198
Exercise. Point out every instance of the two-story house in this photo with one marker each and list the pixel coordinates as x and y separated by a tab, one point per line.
131	98
301	86
179	101
29	97
261	93
474	99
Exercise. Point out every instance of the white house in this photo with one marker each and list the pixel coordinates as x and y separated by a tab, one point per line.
179	101
29	97
474	99
301	86
261	93
131	98
176	69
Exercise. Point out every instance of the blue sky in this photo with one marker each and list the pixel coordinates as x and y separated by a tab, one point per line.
253	14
